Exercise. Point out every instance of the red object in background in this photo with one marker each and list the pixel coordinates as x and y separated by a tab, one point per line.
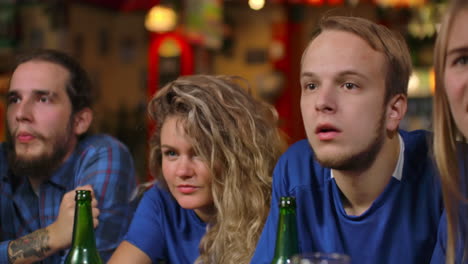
399	3
312	2
287	104
283	105
186	56
335	2
315	2
123	5
186	66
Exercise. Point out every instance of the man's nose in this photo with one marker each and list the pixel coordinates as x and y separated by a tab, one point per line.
326	99
23	111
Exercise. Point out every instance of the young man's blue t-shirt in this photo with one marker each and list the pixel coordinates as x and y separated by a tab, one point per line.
399	227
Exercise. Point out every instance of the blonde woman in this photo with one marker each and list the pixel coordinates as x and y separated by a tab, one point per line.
212	154
450	129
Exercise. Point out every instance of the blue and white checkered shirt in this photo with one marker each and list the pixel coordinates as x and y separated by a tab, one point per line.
100	161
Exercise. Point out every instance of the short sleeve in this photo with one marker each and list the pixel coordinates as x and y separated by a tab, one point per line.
4	252
146	231
438	255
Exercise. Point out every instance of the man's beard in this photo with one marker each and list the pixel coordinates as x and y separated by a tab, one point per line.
361	160
42	166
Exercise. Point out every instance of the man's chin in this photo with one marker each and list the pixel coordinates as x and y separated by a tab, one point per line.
28	158
31	166
32	152
330	163
335	161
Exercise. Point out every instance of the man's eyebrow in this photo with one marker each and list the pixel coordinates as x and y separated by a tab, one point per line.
45	92
12	93
307	74
355	73
343	73
35	92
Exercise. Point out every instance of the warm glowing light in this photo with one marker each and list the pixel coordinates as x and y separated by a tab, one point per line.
160	19
169	48
256	4
315	2
400	3
414	83
432	80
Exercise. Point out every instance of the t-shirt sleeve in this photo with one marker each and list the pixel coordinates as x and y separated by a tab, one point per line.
438	256
285	180
4	252
265	249
266	245
145	231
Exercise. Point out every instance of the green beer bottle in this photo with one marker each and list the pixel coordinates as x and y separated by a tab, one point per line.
286	237
83	249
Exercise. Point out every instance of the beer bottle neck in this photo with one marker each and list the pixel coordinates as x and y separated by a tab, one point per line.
83	230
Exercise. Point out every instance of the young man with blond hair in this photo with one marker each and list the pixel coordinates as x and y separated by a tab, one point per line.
363	187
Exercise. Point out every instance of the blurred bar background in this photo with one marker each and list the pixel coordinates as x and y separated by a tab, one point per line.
130	48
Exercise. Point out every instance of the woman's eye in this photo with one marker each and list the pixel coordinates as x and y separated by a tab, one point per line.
462	60
169	153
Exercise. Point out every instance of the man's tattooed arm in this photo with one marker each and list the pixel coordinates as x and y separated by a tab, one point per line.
30	248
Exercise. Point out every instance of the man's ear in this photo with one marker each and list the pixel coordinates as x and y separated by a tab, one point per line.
82	120
396	110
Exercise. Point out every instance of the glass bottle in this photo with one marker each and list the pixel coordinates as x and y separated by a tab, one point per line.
83	249
286	237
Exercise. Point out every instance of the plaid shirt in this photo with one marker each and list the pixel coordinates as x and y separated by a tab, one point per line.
98	160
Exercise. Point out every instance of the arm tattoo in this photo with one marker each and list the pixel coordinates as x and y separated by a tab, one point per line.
34	245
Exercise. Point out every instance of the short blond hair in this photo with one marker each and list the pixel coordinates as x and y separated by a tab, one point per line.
381	39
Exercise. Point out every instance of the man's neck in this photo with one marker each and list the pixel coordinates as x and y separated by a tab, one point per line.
37	180
36	184
361	188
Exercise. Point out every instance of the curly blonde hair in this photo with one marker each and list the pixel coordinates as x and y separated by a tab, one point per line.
238	137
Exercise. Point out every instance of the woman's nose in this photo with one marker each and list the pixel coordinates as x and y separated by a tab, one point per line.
184	167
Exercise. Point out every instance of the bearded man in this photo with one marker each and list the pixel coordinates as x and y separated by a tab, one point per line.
48	155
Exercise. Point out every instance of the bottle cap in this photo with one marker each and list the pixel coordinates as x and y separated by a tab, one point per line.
82	195
287	201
